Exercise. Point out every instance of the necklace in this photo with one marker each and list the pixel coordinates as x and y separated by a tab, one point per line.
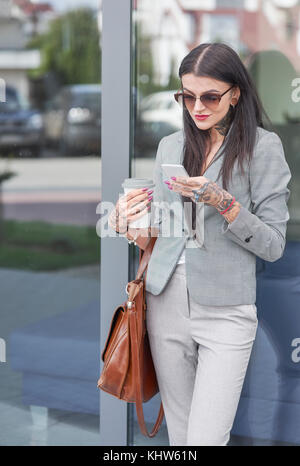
212	158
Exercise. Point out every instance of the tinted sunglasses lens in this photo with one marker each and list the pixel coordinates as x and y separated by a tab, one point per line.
189	101
186	100
210	100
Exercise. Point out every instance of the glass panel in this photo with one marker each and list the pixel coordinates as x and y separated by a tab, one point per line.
266	37
49	252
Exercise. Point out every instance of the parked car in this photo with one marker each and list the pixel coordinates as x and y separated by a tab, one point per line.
21	127
72	120
159	115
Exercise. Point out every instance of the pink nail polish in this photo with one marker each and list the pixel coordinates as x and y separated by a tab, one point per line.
173	178
149	199
145	189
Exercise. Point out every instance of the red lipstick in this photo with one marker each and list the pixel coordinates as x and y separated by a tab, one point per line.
201	117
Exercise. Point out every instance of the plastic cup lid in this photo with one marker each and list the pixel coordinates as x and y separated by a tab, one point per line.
136	183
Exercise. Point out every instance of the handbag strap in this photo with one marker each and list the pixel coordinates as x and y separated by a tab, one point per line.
144	257
137	379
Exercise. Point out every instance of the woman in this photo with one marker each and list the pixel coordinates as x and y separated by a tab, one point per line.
201	313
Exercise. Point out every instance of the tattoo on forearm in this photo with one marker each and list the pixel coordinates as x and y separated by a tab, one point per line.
232	213
117	222
214	195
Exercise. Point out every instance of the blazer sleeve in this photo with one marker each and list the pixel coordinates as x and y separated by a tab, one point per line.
263	230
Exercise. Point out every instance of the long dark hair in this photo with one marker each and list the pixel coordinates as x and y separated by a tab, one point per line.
219	61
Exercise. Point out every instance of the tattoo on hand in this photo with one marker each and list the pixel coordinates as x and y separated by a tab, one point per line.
212	194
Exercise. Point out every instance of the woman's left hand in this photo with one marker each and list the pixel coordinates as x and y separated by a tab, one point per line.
198	188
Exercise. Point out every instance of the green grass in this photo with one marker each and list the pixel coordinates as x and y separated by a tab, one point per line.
41	246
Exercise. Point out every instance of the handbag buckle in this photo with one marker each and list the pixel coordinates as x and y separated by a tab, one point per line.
129	303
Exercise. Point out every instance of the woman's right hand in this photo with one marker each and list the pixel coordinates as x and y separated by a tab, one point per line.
129	207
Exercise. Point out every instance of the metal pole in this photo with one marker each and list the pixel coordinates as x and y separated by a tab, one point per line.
115	155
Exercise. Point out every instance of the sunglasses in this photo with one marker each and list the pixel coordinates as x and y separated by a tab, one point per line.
210	100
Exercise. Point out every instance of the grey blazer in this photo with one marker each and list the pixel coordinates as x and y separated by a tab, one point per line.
221	256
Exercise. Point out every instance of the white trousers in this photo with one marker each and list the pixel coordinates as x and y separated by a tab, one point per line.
200	354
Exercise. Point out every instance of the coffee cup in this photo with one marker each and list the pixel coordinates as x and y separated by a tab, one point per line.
130	184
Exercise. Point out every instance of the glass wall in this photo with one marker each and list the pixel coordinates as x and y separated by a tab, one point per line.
266	35
49	251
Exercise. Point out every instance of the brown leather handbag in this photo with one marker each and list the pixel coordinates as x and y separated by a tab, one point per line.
128	372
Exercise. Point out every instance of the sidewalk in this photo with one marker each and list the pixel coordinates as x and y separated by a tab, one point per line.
26	297
58	190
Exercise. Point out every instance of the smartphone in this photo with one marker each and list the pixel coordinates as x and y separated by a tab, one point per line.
173	169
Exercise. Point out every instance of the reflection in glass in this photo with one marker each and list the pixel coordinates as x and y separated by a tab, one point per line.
265	35
49	249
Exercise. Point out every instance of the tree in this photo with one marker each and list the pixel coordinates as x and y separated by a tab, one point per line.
145	67
70	48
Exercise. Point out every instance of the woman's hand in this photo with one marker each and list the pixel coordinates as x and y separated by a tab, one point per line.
185	185
201	189
129	207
